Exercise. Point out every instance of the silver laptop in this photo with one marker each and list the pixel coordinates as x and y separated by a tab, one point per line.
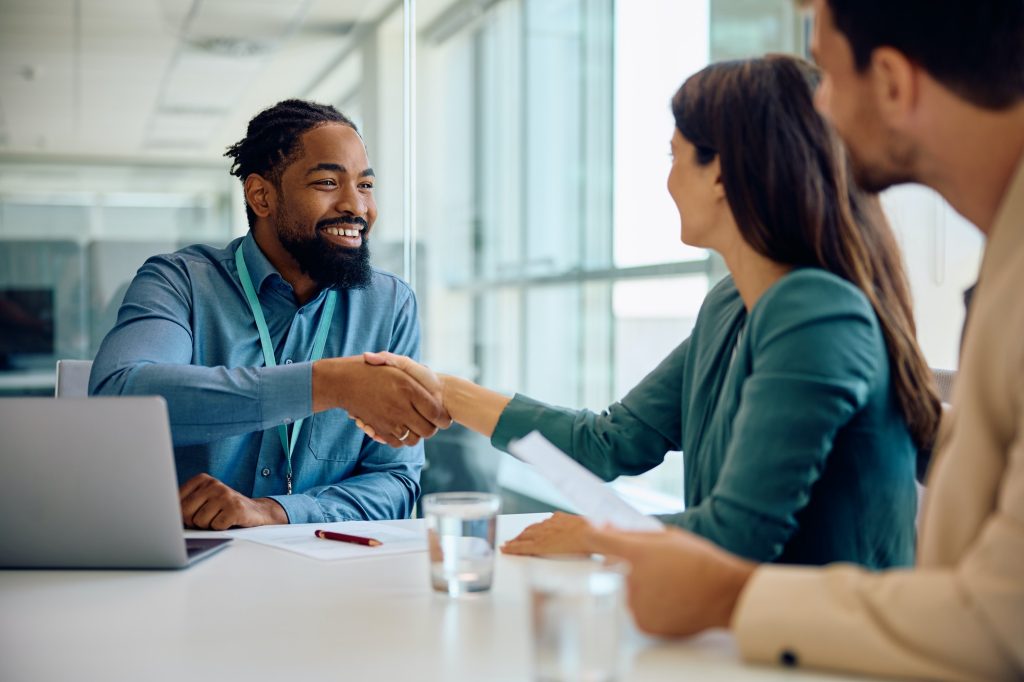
90	483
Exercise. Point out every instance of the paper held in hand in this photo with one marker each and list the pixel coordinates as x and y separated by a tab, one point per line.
595	500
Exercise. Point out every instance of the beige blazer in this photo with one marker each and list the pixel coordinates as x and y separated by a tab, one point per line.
959	615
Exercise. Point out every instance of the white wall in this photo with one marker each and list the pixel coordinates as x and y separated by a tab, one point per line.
942	252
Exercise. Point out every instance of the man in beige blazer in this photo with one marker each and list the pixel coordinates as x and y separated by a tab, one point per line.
931	92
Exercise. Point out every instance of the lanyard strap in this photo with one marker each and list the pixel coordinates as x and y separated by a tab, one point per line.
319	341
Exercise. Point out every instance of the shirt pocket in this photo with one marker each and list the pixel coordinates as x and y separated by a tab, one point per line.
333	437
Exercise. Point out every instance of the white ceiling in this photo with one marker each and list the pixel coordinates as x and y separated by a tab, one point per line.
159	79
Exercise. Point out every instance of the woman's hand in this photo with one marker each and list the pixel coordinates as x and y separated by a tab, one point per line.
560	534
421	373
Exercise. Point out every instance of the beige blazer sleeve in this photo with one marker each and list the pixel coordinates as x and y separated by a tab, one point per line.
963	622
959	614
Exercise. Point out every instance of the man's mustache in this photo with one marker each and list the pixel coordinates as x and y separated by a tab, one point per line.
343	220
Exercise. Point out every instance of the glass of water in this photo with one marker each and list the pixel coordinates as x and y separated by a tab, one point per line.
460	534
578	619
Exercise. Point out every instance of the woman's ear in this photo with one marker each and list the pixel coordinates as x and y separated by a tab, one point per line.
260	195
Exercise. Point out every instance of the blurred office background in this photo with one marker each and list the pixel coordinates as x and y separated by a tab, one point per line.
521	150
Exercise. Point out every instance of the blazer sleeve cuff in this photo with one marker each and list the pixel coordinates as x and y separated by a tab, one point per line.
521	416
841	618
771	622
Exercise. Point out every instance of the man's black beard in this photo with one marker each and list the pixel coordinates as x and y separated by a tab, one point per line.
328	264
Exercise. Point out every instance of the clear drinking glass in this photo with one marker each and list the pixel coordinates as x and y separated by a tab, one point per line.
578	619
460	534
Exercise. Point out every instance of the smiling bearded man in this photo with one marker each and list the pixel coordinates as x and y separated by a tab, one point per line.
257	346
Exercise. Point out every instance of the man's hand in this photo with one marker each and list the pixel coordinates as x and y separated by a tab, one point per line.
561	534
396	407
209	504
679	584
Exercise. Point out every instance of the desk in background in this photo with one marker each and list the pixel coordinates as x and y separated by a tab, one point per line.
20	382
253	612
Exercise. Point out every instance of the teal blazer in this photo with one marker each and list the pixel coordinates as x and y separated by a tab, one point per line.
794	446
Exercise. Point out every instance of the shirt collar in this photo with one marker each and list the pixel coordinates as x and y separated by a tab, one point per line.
259	266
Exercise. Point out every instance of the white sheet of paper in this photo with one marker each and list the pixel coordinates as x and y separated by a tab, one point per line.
300	538
595	500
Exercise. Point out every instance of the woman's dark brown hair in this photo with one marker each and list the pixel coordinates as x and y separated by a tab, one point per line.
789	187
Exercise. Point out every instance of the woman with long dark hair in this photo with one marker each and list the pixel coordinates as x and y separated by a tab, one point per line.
801	399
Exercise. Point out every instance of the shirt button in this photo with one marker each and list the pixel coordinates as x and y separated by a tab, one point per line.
287	420
288	361
789	658
265	472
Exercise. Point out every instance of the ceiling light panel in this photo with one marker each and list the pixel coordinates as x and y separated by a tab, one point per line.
208	82
256	21
125	50
37	88
224	46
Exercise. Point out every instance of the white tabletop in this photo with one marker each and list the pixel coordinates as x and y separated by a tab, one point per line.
253	612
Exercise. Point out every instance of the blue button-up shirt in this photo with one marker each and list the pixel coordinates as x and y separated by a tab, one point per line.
186	332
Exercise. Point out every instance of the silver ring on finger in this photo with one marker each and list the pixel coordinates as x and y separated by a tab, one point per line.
404	435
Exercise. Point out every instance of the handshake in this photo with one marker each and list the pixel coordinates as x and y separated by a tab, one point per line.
394	399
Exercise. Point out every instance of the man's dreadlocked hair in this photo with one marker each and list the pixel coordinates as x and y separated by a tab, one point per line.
272	140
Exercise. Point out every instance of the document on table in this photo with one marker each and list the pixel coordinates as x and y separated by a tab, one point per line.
595	500
300	538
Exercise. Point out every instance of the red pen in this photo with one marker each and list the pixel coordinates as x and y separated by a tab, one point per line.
342	537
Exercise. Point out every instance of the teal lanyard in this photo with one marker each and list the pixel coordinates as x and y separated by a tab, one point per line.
268	348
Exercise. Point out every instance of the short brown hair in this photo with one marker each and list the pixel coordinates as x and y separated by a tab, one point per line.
973	47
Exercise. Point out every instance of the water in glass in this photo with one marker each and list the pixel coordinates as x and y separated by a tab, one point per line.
461	534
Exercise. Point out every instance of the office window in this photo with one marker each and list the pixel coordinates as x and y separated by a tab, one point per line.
551	263
746	28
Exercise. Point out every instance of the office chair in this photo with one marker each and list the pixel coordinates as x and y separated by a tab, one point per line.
73	378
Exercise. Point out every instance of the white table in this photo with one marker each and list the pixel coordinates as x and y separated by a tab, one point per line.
253	612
